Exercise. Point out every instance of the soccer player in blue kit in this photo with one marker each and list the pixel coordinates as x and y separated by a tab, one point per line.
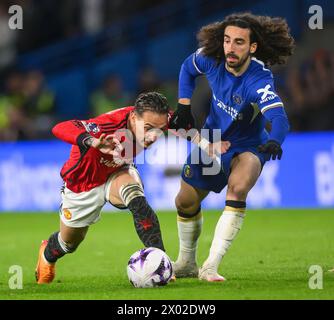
234	55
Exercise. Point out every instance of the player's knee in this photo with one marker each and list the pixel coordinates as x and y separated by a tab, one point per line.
186	206
238	191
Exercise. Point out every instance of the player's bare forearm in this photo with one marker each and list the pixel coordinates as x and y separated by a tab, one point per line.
212	149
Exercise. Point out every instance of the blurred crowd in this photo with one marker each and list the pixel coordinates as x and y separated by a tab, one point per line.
56	20
28	108
112	94
309	93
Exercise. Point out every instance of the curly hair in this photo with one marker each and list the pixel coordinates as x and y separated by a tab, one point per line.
274	42
151	101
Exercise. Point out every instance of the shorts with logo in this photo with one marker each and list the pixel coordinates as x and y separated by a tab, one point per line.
83	209
197	173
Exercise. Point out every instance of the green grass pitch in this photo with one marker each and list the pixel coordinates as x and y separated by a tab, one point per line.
270	259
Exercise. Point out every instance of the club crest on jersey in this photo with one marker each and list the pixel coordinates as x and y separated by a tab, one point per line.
267	94
188	173
237	99
67	214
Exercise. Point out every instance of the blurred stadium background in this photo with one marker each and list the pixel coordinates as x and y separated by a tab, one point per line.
77	59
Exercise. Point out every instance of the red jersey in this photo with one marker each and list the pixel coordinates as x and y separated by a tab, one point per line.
88	168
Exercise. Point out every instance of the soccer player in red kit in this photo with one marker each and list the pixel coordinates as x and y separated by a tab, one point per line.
98	172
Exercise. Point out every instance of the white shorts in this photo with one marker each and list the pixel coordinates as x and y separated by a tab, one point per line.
83	209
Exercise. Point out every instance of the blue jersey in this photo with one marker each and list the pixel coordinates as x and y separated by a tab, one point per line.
238	102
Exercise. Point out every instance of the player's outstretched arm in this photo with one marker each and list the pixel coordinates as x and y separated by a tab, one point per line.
182	117
279	129
69	131
75	132
193	66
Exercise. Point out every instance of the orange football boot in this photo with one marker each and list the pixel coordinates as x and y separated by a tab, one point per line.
45	271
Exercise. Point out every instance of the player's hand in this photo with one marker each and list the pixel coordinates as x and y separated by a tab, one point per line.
108	144
182	118
272	148
217	148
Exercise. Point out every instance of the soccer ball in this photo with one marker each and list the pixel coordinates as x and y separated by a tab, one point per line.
149	267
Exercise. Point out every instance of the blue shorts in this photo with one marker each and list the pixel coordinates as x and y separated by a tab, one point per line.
207	175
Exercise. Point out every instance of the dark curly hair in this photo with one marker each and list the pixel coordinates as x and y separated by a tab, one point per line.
274	42
151	101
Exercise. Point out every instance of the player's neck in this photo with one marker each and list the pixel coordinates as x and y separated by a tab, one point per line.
239	71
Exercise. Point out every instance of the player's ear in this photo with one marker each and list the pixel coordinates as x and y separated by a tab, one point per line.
132	118
253	47
132	115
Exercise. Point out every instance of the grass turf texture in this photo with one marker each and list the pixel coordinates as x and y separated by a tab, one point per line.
269	259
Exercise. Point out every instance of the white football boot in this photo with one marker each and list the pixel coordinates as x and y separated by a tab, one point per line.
185	270
209	274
